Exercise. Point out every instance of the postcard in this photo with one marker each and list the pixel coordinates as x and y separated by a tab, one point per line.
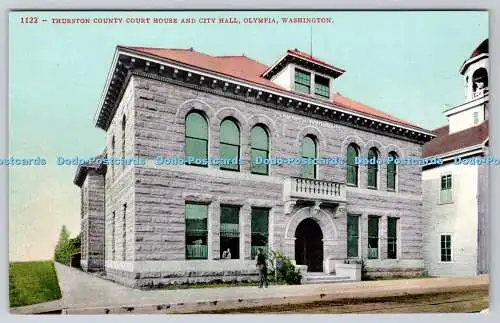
248	162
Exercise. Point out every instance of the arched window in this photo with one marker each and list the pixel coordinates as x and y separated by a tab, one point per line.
229	144
352	166
259	150
308	152
124	123
372	168
196	139
391	171
479	79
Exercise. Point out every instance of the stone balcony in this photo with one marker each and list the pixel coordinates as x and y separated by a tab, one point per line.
313	190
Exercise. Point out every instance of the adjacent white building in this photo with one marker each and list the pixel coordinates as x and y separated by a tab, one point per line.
456	195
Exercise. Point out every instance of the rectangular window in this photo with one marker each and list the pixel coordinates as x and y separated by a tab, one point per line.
321	87
392	240
446	192
260	230
352	235
302	81
229	232
446	248
476	117
373	237
196	217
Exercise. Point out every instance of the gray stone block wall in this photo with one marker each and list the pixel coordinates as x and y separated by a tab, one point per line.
93	231
483	232
120	183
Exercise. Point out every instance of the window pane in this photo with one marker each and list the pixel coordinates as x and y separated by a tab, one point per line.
351	155
392	238
308	148
196	126
196	148
373	226
260	139
372	177
229	232
229	133
259	227
196	216
309	171
259	168
391	227
352	169
352	236
302	77
352	175
302	88
229	152
321	86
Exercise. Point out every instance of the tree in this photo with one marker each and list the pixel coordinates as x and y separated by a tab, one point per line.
62	252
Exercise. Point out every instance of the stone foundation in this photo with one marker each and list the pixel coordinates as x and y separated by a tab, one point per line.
387	272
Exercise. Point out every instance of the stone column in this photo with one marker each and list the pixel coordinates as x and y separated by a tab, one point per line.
363	236
214	231
245	232
382	237
289	247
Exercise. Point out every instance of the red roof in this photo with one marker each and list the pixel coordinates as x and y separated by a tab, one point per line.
247	69
312	58
481	49
445	142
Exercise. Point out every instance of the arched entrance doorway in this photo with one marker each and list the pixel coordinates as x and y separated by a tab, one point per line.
309	245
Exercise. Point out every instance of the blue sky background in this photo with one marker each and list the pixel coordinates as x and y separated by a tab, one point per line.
403	63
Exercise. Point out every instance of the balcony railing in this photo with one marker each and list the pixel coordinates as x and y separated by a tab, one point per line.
479	93
314	189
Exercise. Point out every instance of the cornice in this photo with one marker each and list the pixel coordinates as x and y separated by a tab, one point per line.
126	64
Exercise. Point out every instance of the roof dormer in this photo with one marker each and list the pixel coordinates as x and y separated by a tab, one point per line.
303	73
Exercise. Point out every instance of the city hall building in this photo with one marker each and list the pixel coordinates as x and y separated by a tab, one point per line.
148	225
456	199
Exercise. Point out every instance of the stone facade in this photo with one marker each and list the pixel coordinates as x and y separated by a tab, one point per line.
144	213
155	195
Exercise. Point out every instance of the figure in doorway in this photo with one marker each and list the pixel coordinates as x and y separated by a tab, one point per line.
226	254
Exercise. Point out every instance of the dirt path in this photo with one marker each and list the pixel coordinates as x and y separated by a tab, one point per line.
466	301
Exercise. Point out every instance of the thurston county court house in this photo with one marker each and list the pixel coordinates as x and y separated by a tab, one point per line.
148	225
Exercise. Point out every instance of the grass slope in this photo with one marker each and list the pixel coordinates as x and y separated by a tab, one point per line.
32	283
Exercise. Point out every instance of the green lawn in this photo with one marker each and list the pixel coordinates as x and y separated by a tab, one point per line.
32	282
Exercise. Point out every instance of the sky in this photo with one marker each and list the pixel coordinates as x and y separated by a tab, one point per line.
403	63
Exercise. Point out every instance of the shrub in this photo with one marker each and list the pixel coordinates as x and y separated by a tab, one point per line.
283	270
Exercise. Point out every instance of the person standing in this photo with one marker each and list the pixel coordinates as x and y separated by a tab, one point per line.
262	267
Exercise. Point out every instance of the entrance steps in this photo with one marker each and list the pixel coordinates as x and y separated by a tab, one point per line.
322	278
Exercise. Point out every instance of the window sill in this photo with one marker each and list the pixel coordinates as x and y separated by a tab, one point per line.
230	169
372	188
444	203
351	185
391	190
259	174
